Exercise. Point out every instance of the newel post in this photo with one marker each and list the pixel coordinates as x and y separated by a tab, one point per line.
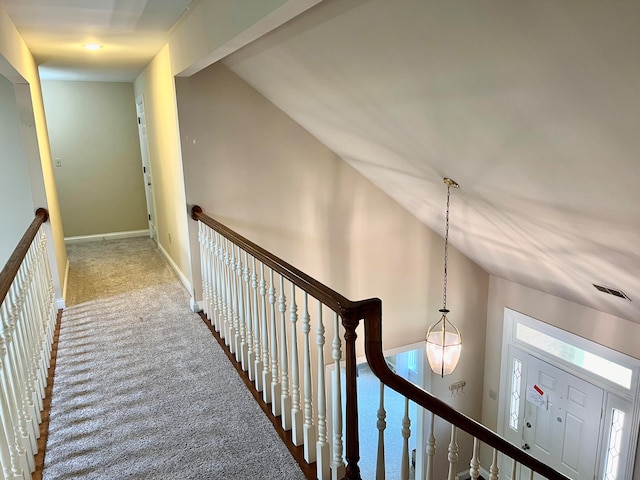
351	422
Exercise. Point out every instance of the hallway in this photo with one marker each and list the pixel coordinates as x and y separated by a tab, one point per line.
141	388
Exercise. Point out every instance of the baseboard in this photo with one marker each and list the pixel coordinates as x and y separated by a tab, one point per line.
107	236
60	302
184	280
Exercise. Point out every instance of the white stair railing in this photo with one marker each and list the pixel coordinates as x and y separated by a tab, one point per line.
27	323
241	286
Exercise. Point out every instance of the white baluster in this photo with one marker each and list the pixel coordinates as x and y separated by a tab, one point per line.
309	429
20	390
514	470
264	325
431	446
296	413
251	356
406	433
531	474
493	469
206	259
14	382
215	280
474	464
453	453
213	275
204	268
323	467
222	291
241	343
16	462
14	457
381	424
232	317
337	463
256	328
242	316
284	361
276	400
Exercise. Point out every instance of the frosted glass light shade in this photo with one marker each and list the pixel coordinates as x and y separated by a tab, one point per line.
443	347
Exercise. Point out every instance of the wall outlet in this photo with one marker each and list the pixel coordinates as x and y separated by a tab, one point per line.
58	162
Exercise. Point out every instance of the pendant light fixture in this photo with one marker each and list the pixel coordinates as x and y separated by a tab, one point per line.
443	340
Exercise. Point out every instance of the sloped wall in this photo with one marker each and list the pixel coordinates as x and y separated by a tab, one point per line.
249	165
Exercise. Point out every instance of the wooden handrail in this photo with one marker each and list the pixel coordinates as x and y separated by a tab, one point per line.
326	295
370	311
12	266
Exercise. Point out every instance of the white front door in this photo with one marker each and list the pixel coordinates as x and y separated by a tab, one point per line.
562	419
146	169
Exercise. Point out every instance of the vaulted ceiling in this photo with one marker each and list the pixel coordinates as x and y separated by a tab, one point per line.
532	107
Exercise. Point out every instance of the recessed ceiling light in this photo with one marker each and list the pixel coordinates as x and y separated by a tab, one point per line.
93	46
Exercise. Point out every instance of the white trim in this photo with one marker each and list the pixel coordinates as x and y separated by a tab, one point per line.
65	283
60	305
107	236
195	305
185	281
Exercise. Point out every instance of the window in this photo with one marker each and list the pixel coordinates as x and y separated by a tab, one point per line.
615	445
575	355
514	406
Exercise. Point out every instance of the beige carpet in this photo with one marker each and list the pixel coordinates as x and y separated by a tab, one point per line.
141	388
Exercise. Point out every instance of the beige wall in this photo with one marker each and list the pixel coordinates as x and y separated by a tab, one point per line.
250	166
16	204
157	87
17	64
93	131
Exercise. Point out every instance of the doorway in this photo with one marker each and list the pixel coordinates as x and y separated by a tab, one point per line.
146	167
567	401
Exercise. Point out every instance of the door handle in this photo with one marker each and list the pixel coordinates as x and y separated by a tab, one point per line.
526	446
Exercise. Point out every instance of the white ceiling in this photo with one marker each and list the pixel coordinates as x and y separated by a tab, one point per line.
532	107
131	32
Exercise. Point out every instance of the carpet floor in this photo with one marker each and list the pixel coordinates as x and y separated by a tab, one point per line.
141	388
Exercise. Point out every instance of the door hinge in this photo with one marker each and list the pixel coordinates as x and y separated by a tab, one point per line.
149	217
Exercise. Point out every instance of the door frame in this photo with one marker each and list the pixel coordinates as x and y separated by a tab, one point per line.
616	396
146	167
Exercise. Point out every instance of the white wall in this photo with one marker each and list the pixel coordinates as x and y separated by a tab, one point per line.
157	86
16	204
94	133
17	64
249	165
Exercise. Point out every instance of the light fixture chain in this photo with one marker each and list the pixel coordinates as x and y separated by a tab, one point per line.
446	250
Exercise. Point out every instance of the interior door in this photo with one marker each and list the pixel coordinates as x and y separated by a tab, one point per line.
146	169
562	419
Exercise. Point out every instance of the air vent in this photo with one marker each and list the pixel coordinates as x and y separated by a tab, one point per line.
612	291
